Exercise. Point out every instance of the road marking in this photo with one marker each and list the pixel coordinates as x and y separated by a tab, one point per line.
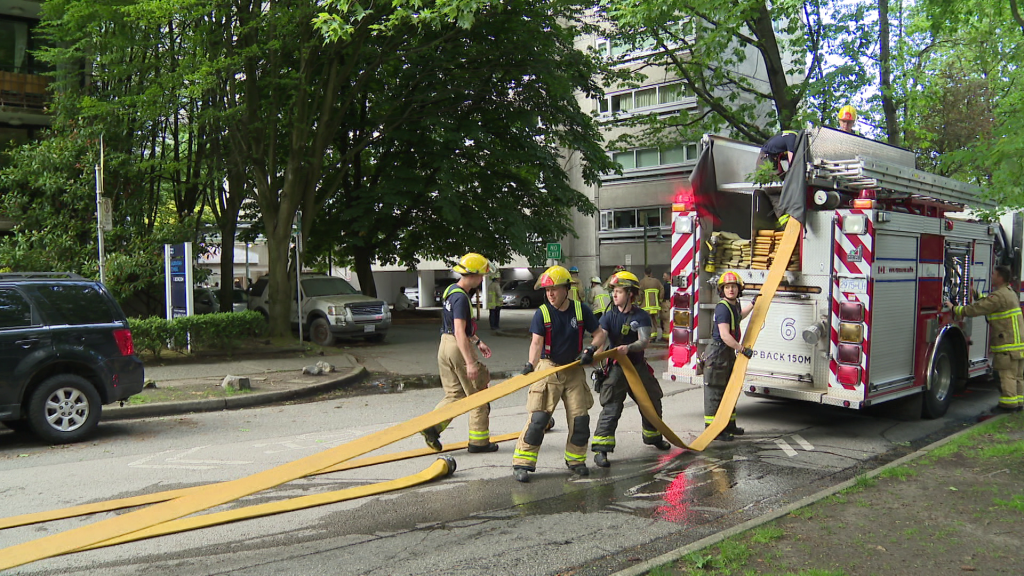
180	463
803	443
785	447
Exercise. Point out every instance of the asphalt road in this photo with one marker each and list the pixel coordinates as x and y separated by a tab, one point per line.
480	521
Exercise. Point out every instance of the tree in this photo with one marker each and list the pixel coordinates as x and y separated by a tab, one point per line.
478	168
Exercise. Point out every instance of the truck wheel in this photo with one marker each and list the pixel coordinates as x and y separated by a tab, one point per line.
64	408
320	333
941	381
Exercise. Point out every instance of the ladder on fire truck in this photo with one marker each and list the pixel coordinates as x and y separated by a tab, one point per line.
893	181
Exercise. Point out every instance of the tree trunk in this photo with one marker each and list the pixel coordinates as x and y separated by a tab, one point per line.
364	271
775	67
227	262
282	284
885	74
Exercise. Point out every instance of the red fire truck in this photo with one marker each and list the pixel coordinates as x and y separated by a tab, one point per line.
859	318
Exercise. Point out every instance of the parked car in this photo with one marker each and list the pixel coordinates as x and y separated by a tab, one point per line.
240	300
204	301
331	307
65	351
521	294
440	285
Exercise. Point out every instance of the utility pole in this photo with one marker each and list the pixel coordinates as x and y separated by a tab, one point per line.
99	211
298	270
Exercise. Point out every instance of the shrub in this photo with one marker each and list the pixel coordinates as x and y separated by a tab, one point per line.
208	331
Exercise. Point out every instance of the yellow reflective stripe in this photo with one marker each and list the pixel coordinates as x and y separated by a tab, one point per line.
732	315
1004	314
579	310
602	302
651	299
651	433
545	314
709	419
479	434
570	457
958	310
1008	347
524	455
603	441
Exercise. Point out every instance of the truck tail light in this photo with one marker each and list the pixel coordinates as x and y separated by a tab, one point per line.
123	337
851	311
681	318
681	335
680	300
849	375
849	353
849	332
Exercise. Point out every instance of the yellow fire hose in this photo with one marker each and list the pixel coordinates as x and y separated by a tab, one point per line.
441	467
190	501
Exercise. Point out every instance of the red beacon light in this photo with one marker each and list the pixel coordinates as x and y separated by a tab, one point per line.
866	200
683	200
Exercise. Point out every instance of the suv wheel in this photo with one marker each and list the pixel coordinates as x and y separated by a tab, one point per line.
64	408
320	332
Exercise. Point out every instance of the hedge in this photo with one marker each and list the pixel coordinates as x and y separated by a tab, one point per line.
223	331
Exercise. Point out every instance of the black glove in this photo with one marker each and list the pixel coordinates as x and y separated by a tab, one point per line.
587	358
527	369
747	351
754	299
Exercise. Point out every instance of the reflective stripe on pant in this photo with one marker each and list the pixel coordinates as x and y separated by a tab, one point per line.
717	370
613	395
1011	380
457	385
569	387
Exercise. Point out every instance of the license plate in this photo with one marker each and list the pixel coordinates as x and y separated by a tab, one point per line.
369	328
859	285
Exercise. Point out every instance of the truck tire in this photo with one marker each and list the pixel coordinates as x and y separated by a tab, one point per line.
64	408
942	376
320	333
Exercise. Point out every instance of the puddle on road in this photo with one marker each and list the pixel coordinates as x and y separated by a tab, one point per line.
395	384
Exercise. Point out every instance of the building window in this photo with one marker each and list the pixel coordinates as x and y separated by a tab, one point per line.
635	219
651	157
617	49
647	99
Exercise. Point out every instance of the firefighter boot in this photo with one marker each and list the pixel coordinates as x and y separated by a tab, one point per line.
433	438
663	444
601	459
521	474
724	435
580	469
492	447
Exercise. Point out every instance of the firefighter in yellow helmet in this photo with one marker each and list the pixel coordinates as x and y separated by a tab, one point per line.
557	328
847	118
1006	343
720	355
461	372
629	330
652	291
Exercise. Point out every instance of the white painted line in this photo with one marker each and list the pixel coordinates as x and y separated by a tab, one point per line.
803	443
785	447
178	462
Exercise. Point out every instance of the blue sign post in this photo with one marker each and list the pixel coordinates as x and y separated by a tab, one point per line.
179	282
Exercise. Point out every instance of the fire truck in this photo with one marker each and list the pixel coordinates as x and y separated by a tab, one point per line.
859	317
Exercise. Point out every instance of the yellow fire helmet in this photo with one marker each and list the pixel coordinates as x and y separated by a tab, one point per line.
848	113
624	279
554	276
472	263
730	277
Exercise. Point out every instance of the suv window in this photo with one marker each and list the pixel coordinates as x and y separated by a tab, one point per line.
15	311
259	287
326	286
77	304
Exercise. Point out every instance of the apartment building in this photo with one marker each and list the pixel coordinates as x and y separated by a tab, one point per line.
23	97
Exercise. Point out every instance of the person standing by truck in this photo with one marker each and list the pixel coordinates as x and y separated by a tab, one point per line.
720	356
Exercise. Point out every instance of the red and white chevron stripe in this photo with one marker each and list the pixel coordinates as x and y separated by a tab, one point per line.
684	262
861	246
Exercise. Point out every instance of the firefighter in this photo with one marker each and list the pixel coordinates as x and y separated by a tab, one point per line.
461	373
847	118
574	287
720	355
778	148
652	290
629	330
557	329
666	304
1001	308
599	298
494	300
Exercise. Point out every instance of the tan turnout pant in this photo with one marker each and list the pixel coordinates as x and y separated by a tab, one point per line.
570	388
1011	379
457	385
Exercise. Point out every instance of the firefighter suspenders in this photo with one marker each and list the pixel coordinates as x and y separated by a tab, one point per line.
546	315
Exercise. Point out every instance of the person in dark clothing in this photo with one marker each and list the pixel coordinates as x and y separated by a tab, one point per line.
778	148
629	329
720	356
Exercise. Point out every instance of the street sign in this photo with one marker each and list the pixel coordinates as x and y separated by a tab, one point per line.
106	214
554	251
179	282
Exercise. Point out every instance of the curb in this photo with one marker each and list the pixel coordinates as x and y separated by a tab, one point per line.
231	402
645	567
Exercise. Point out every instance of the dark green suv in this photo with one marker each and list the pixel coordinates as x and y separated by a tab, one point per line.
65	350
